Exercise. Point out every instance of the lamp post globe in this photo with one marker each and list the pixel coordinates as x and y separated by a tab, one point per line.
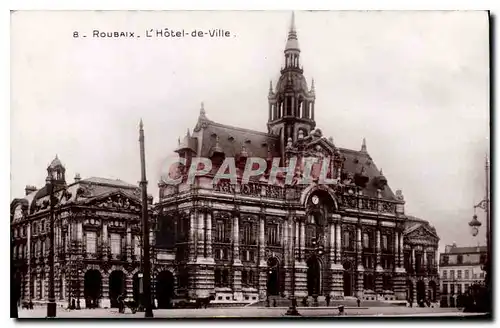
474	225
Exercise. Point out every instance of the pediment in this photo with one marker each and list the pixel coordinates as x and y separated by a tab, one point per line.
117	200
320	148
422	232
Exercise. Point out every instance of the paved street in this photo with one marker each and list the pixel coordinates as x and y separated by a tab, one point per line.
246	312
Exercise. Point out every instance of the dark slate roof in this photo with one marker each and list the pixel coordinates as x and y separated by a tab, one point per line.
95	186
232	139
466	249
355	161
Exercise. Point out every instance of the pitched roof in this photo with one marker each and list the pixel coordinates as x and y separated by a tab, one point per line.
232	139
466	249
355	161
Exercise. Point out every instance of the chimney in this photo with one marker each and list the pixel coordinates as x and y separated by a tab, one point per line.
29	189
77	177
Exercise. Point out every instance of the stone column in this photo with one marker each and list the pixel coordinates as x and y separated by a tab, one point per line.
379	253
262	261
425	259
262	241
359	250
236	240
209	234
192	236
237	265
288	257
296	235
396	250
332	243
105	246
200	231
79	231
401	249
413	258
302	240
338	243
128	246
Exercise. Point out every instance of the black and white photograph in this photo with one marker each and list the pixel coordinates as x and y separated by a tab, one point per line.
280	164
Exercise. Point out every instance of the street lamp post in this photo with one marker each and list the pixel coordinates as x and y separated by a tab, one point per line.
475	224
146	264
51	305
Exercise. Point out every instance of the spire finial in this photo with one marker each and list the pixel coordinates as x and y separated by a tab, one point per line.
178	141
292	42
270	86
312	85
188	133
202	110
381	172
140	124
363	146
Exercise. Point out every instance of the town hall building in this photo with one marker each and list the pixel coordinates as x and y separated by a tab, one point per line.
247	241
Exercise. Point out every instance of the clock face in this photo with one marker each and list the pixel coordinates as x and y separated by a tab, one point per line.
315	200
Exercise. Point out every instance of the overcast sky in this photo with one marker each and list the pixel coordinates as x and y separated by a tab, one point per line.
414	84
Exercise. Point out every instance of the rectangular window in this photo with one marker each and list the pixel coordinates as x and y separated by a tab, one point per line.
137	246
466	287
466	274
366	240
459	288
220	231
481	275
116	244
452	289
345	240
452	274
459	274
272	234
385	243
91	242
445	274
247	234
445	289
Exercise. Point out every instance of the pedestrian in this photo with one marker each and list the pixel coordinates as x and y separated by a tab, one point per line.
358	301
327	299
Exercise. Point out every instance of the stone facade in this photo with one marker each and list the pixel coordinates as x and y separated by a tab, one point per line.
241	240
97	240
420	255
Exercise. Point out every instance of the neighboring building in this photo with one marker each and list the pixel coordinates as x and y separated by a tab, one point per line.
459	268
97	239
240	240
420	260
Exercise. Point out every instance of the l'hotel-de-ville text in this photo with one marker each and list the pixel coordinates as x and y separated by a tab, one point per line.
156	33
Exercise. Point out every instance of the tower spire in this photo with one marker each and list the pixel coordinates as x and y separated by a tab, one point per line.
292	42
363	146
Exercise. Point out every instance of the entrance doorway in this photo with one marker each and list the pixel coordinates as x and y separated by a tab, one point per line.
92	288
136	287
116	287
348	279
273	281
164	289
313	276
420	291
432	291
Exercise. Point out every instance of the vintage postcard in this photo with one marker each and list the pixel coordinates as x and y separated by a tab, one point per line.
249	164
